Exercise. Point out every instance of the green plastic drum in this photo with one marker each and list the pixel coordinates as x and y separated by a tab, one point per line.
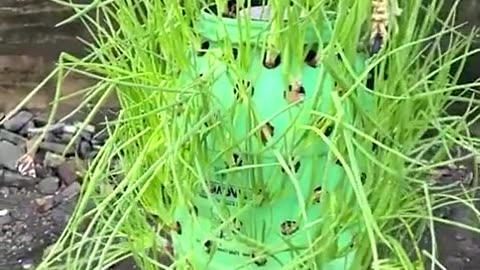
255	212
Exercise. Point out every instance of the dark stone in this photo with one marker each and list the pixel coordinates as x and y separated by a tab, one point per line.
12	137
85	135
52	137
42	171
40	120
66	137
18	121
49	185
71	191
84	149
26	128
14	179
57	148
67	172
53	160
9	154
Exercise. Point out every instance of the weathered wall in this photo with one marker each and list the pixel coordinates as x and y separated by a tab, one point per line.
29	45
28	27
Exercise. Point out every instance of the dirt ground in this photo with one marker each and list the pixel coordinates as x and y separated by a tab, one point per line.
34	210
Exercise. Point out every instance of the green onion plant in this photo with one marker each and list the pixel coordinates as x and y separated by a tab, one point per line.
150	163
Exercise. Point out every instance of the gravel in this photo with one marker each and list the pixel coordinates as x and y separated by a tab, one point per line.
34	210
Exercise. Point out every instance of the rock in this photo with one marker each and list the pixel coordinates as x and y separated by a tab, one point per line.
5	217
88	128
66	137
4	191
40	120
57	148
459	236
59	215
25	130
71	191
45	203
49	185
18	121
52	137
84	149
14	179
28	264
12	137
70	129
42	171
55	128
9	154
86	135
53	160
67	172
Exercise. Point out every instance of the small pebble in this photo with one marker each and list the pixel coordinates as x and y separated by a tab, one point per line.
5	217
4	192
459	237
71	191
45	203
18	121
49	185
27	265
